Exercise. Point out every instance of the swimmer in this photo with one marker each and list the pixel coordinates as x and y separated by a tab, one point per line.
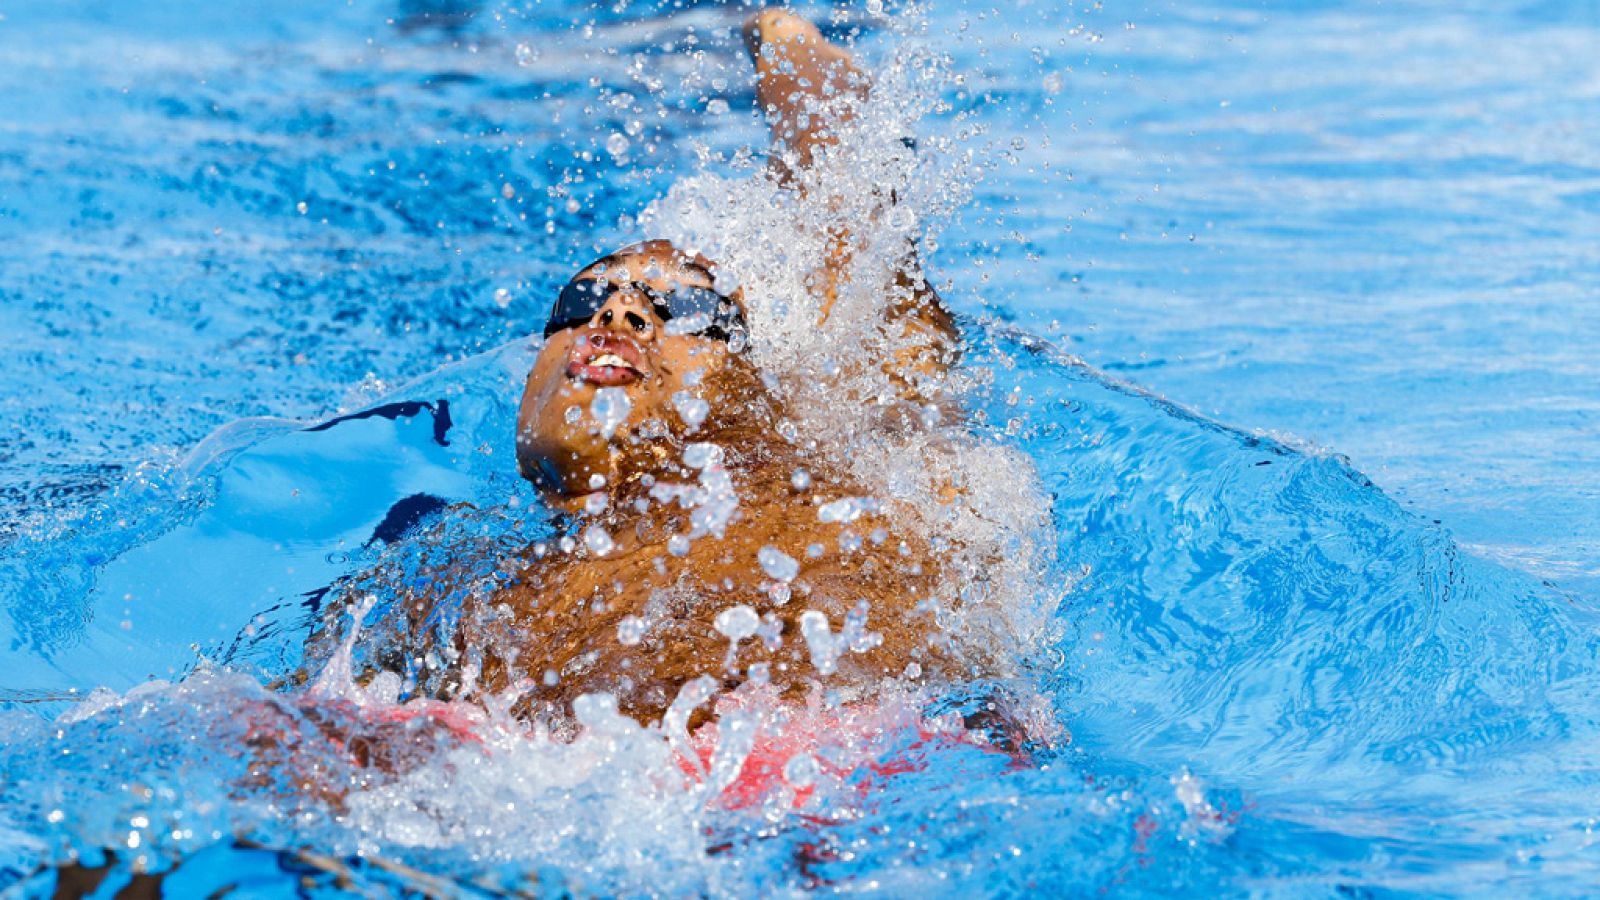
709	539
706	538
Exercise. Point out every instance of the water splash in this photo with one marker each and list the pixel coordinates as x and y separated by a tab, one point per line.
772	238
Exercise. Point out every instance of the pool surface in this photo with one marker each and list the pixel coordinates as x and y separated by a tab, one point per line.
1290	308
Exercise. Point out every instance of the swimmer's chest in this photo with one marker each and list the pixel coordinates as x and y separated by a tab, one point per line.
769	558
642	618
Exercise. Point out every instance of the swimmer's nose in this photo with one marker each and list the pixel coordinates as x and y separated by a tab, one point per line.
624	312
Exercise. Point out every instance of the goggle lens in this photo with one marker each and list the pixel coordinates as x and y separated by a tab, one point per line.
580	300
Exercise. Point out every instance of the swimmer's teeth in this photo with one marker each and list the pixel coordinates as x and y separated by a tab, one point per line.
609	359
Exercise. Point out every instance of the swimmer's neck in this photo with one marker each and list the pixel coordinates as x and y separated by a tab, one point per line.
748	457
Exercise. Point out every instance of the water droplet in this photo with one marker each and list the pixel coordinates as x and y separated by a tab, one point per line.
301	207
801	770
771	633
526	55
630	631
846	509
676	720
737	623
779	593
694	323
854	636
617	144
678	545
801	479
820	641
717	106
691	409
596	481
725	282
702	456
777	564
610	408
598	542
502	298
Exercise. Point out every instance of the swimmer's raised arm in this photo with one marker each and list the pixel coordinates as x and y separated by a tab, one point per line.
808	87
804	84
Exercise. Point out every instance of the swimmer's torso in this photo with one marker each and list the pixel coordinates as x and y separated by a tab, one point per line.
641	619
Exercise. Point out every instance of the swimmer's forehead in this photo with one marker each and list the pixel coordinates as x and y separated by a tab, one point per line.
652	264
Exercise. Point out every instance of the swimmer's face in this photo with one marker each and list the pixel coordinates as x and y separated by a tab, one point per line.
624	344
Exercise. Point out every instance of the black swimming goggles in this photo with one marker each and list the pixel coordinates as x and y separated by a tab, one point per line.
580	300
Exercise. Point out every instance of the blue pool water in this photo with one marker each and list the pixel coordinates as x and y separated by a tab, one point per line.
1291	308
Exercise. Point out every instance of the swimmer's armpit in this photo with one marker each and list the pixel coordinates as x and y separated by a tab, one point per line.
928	342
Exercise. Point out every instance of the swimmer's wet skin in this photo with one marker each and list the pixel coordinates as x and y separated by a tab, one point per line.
640	398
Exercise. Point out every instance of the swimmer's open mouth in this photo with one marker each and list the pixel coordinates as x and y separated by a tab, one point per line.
605	359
